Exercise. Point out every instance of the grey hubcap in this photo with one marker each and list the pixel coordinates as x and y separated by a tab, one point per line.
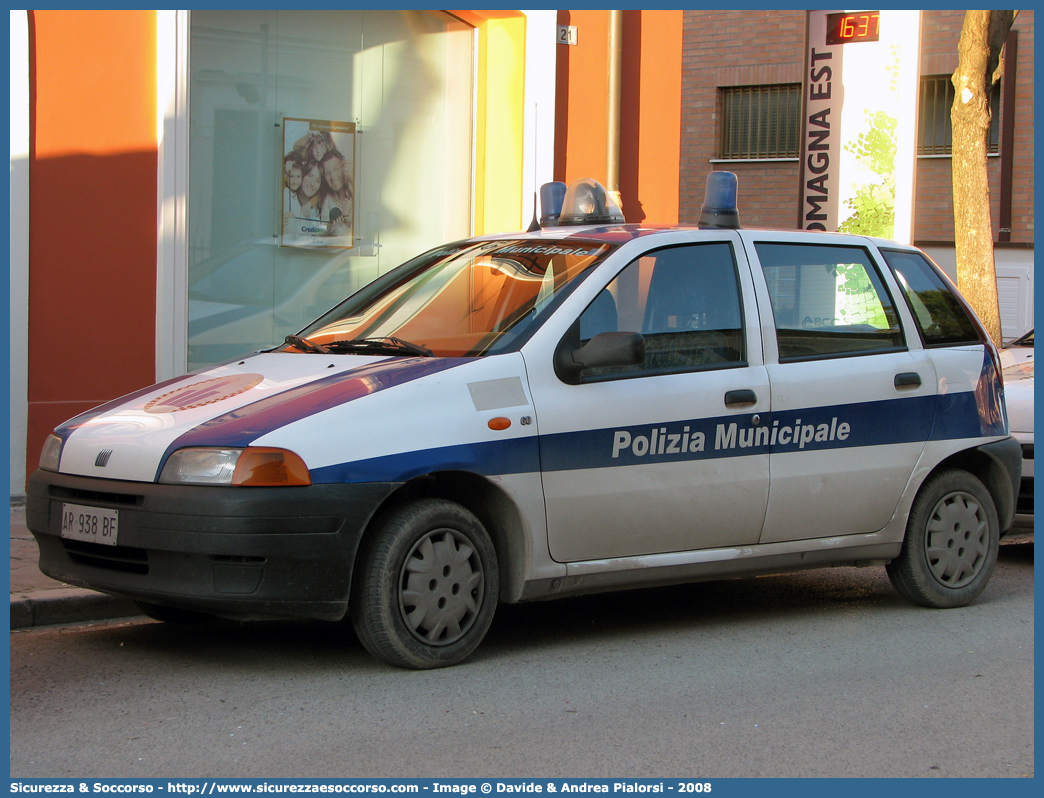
957	539
440	587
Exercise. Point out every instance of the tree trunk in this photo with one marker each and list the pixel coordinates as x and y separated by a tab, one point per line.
970	118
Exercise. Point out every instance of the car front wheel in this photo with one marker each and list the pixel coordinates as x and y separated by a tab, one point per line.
426	586
951	543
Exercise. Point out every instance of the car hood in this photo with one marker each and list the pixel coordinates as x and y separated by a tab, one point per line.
1017	372
229	405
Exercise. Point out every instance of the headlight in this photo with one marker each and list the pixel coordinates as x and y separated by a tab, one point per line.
253	466
51	454
201	466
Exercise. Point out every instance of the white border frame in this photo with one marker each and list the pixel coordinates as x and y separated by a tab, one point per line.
19	246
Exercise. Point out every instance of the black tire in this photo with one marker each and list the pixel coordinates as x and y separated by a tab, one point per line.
171	614
426	586
951	543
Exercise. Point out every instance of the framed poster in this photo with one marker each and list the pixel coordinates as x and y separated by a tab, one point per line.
317	195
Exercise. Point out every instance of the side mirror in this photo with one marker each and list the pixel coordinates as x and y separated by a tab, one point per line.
604	350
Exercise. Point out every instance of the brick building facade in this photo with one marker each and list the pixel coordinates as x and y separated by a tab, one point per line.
737	48
727	49
934	205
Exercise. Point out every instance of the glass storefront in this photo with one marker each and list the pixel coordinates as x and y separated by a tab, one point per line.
326	147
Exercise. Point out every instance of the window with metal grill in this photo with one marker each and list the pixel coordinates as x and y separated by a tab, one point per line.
935	134
761	121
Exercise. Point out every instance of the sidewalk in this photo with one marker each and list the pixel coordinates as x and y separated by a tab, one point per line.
37	600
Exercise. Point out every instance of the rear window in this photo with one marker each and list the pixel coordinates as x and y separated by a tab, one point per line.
941	317
827	301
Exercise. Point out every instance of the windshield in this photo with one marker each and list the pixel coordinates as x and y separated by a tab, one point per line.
472	298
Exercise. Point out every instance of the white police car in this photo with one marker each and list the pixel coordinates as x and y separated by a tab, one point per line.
584	407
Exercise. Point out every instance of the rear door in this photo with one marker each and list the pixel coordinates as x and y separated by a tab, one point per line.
853	402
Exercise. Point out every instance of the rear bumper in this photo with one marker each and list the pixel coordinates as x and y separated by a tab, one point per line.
252	553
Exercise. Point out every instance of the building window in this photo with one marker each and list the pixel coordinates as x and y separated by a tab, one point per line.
935	134
403	77
761	121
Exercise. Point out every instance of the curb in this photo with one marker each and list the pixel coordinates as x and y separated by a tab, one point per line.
66	605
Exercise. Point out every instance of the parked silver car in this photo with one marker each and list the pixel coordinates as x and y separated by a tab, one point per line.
1017	363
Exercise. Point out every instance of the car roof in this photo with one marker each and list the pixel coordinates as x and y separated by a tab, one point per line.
620	233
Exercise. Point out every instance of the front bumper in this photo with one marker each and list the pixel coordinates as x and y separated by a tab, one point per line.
248	553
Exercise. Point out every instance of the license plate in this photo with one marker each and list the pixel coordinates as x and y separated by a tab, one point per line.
93	524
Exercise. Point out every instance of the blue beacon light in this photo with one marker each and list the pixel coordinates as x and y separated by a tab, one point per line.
551	197
719	201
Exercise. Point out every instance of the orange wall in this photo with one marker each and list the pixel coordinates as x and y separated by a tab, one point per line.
650	114
92	210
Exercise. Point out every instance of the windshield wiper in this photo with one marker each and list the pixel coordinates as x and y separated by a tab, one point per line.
383	346
304	344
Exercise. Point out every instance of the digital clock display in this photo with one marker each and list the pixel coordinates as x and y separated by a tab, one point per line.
853	26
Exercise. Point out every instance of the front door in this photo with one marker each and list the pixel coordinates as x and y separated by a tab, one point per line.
660	457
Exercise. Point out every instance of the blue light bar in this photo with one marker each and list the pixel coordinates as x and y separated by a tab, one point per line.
719	201
551	198
587	202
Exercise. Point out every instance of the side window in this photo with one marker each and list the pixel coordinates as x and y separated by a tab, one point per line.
827	301
941	318
685	301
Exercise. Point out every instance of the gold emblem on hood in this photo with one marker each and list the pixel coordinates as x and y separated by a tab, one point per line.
203	393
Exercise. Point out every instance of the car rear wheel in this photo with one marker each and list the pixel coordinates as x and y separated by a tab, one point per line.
426	586
951	543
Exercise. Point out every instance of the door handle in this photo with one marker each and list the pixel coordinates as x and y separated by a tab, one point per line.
909	379
740	398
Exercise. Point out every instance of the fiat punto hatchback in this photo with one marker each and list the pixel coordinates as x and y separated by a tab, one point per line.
588	406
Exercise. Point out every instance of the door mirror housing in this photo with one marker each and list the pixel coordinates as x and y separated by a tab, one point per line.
604	350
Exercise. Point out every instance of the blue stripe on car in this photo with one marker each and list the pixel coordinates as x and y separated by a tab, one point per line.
893	421
514	456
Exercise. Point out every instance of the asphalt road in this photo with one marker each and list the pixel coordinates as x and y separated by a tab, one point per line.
821	673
